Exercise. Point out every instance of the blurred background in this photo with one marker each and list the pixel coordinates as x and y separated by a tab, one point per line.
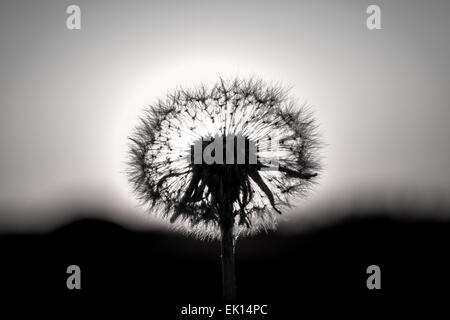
70	98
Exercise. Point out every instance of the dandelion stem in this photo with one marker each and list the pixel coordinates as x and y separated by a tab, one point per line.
228	265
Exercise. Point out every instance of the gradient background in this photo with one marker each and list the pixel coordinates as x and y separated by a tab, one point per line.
69	99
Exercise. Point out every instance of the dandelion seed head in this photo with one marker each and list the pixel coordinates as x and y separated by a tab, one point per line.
193	195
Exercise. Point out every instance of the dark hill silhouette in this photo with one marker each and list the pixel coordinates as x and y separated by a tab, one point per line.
324	265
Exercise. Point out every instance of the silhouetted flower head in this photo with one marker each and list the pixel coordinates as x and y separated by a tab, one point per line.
262	152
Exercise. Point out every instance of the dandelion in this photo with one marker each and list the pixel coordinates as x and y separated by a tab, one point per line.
224	161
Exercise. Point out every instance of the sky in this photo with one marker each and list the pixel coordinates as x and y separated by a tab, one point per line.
70	98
